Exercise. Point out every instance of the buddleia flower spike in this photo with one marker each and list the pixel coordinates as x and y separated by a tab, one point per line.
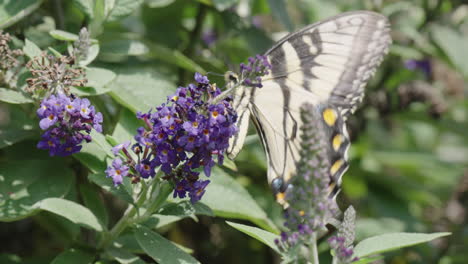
310	206
66	119
187	134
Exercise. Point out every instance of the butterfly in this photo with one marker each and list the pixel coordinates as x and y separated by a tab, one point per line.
326	64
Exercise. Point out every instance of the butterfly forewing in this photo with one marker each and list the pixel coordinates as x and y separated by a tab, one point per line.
326	64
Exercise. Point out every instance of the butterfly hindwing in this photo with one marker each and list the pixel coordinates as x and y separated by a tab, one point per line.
326	64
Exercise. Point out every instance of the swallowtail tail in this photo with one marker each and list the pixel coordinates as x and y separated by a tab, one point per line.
326	64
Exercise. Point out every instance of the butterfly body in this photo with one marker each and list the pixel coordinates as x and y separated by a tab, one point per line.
326	64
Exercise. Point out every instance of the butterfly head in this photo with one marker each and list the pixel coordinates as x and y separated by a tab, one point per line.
231	77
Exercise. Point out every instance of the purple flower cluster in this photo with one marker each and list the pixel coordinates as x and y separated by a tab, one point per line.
251	74
343	253
310	207
67	121
183	135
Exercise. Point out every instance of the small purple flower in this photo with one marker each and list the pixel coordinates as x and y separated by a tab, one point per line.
201	79
117	171
181	189
65	120
119	147
85	109
145	168
197	190
251	73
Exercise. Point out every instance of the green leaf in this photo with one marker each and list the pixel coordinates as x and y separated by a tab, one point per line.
158	221
93	52
159	3
14	97
118	49
227	198
24	183
123	256
279	11
367	227
126	128
261	235
453	44
122	8
94	202
12	11
73	256
185	208
159	248
15	126
93	155
31	49
106	183
392	241
174	57
140	88
85	6
98	82
72	211
63	35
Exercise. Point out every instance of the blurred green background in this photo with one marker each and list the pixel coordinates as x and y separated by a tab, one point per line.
409	151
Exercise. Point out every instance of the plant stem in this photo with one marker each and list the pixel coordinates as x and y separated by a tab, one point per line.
313	250
160	193
124	221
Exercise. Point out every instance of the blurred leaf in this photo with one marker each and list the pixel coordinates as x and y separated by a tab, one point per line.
93	201
118	49
98	16
222	5
158	3
24	183
73	256
227	198
12	11
14	97
258	41
126	128
368	260
15	125
453	44
93	52
279	11
140	88
368	227
122	191
98	82
389	242
159	248
30	49
86	6
121	8
263	236
93	155
72	211
63	35
175	57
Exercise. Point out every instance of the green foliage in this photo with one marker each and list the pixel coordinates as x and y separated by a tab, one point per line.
408	160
